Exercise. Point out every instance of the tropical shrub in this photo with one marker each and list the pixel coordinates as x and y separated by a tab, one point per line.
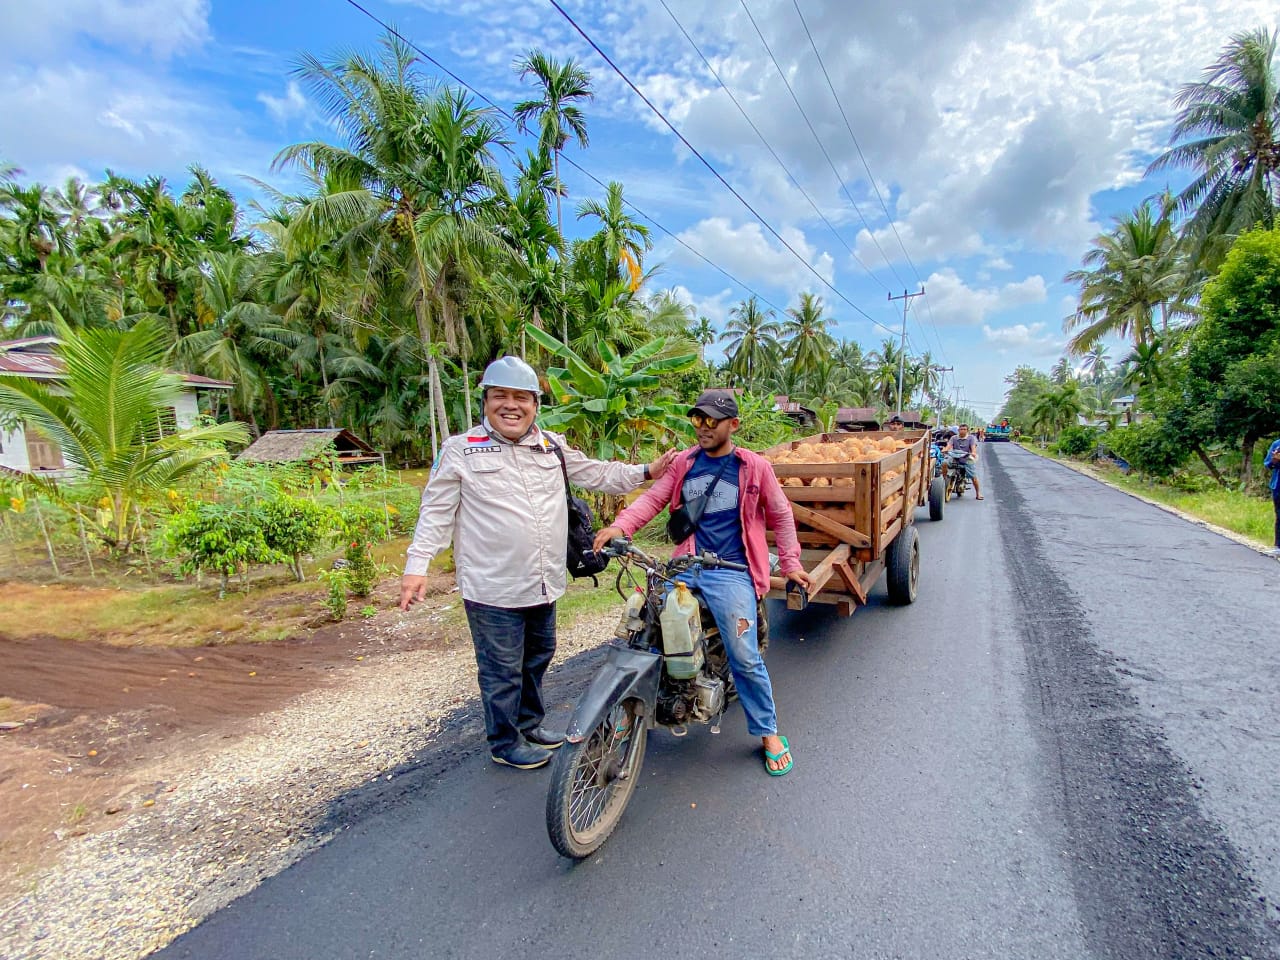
1078	441
611	412
102	414
762	425
1150	449
292	527
335	600
223	539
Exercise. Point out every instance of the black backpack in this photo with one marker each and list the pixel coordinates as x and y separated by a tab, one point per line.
580	560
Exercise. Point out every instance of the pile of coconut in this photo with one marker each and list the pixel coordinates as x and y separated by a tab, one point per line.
854	450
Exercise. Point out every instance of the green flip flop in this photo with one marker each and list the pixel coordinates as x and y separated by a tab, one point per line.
786	748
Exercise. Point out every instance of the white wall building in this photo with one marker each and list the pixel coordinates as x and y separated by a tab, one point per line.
25	450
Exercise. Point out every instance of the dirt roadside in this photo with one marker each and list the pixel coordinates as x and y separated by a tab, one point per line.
144	788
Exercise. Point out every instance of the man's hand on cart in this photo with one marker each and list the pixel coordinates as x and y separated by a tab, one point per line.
799	577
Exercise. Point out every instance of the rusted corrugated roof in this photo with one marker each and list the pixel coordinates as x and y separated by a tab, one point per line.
17	357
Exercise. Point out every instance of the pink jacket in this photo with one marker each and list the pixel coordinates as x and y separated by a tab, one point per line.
761	504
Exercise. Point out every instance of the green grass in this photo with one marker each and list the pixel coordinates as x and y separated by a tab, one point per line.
1240	513
583	600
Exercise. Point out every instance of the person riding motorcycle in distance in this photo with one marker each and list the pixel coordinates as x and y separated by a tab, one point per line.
966	442
745	500
497	491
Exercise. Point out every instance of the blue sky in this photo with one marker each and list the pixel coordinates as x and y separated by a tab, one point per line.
1000	139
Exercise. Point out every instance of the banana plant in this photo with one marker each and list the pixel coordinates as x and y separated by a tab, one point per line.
608	410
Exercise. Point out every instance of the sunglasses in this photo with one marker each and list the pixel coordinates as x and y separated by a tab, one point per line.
700	421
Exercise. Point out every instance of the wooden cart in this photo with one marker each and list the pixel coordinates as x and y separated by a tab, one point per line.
851	533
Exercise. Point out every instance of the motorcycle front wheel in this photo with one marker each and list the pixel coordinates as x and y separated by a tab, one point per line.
592	781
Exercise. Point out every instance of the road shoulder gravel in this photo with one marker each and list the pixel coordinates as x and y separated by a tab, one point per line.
225	817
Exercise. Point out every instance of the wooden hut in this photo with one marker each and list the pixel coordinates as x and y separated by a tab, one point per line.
292	446
857	419
803	416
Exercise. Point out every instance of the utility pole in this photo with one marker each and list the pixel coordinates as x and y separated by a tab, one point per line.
938	394
906	299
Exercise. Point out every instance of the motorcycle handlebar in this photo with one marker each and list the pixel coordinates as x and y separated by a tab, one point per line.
622	547
711	560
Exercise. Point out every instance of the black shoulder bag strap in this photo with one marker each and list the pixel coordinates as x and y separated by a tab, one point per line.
564	468
706	494
684	520
580	558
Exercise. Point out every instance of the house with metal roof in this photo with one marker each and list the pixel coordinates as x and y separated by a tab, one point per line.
25	450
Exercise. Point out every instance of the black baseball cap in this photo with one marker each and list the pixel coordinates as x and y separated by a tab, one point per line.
895	419
717	404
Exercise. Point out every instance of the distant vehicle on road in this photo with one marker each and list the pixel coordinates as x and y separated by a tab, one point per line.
998	432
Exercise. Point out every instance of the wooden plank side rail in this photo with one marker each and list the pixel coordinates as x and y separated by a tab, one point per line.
820	574
821	522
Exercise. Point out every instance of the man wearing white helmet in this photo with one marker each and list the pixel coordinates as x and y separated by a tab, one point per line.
498	493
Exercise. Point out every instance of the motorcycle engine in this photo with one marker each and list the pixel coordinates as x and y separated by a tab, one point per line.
709	698
674	701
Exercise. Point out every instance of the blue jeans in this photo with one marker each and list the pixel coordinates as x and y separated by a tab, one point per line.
1275	502
731	597
514	647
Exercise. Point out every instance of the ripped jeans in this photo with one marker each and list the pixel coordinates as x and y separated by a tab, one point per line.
731	597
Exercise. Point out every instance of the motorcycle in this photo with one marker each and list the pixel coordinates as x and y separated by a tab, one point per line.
957	478
642	685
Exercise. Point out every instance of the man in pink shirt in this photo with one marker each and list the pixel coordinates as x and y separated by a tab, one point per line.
743	498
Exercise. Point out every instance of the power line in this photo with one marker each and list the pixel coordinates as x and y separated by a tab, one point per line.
848	126
707	163
817	139
569	160
768	146
870	176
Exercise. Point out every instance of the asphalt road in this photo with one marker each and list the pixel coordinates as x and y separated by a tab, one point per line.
1068	747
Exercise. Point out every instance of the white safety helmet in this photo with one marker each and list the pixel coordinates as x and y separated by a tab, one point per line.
512	373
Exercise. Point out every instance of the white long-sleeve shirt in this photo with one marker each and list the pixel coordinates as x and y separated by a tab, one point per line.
502	505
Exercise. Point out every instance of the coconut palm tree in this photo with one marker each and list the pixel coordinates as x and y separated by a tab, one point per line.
1130	276
704	334
33	225
621	241
1228	132
751	336
556	114
239	335
101	415
808	345
534	286
412	194
1057	409
883	366
1144	366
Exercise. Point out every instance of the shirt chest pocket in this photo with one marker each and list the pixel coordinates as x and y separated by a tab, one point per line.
546	472
484	470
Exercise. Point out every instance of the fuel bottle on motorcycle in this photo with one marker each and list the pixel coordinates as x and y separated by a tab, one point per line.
632	621
681	623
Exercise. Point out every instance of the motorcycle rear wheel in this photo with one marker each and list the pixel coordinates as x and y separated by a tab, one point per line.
592	781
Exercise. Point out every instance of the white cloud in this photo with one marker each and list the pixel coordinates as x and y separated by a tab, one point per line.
956	303
162	27
293	104
750	255
122	118
1024	340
